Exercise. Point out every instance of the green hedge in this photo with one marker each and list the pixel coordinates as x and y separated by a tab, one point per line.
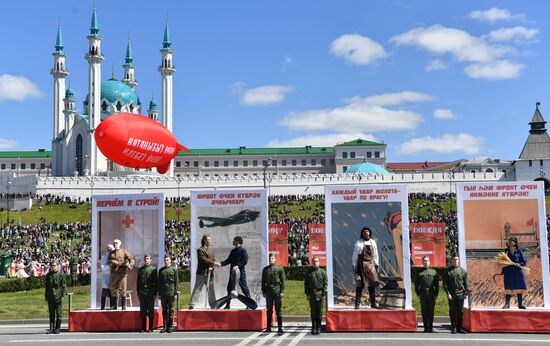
30	283
16	285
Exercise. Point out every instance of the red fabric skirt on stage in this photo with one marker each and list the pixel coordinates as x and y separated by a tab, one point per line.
345	320
222	319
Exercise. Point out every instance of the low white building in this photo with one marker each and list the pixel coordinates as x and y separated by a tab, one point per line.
231	162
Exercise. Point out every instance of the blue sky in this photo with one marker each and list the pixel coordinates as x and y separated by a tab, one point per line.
434	80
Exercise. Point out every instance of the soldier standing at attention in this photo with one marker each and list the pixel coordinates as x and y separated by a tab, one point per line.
273	287
427	288
73	268
455	283
315	287
121	262
167	288
54	293
147	290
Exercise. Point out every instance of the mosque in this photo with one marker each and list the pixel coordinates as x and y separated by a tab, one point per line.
73	145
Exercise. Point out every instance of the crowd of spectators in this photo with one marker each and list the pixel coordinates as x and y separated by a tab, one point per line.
31	247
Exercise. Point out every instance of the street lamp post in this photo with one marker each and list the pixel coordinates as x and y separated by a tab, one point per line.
266	166
451	175
178	210
8	201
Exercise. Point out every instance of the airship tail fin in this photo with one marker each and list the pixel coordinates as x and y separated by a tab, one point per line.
181	147
164	168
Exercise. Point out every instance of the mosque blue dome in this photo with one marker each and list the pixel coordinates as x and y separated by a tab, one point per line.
367	167
114	90
69	94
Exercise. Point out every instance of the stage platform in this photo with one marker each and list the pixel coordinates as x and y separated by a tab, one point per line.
95	320
371	320
197	319
511	320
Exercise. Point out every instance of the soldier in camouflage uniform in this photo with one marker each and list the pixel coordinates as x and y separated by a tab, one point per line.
455	283
147	290
73	268
167	289
273	287
54	293
427	288
315	287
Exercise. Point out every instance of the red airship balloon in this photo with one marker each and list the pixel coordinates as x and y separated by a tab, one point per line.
135	141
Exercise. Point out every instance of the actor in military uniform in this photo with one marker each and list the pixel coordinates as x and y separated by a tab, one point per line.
54	293
121	262
455	283
167	289
73	268
205	272
147	290
273	288
427	288
365	265
315	287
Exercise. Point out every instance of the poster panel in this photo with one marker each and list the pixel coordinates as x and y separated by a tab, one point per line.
428	239
489	214
384	209
278	242
223	215
317	242
138	221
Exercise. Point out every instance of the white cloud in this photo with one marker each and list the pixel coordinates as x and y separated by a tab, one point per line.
391	99
7	144
361	114
330	139
18	88
237	88
265	95
494	15
494	70
287	61
515	33
357	49
459	43
445	144
435	65
444	114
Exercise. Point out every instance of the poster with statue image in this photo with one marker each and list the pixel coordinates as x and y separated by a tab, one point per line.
384	209
504	219
224	215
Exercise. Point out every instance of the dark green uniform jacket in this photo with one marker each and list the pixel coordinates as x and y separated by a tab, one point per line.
315	283
455	282
168	281
427	284
55	286
147	281
73	265
273	280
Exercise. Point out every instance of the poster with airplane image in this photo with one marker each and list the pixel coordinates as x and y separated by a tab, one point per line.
224	215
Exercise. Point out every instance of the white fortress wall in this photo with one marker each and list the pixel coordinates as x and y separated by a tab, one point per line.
83	187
